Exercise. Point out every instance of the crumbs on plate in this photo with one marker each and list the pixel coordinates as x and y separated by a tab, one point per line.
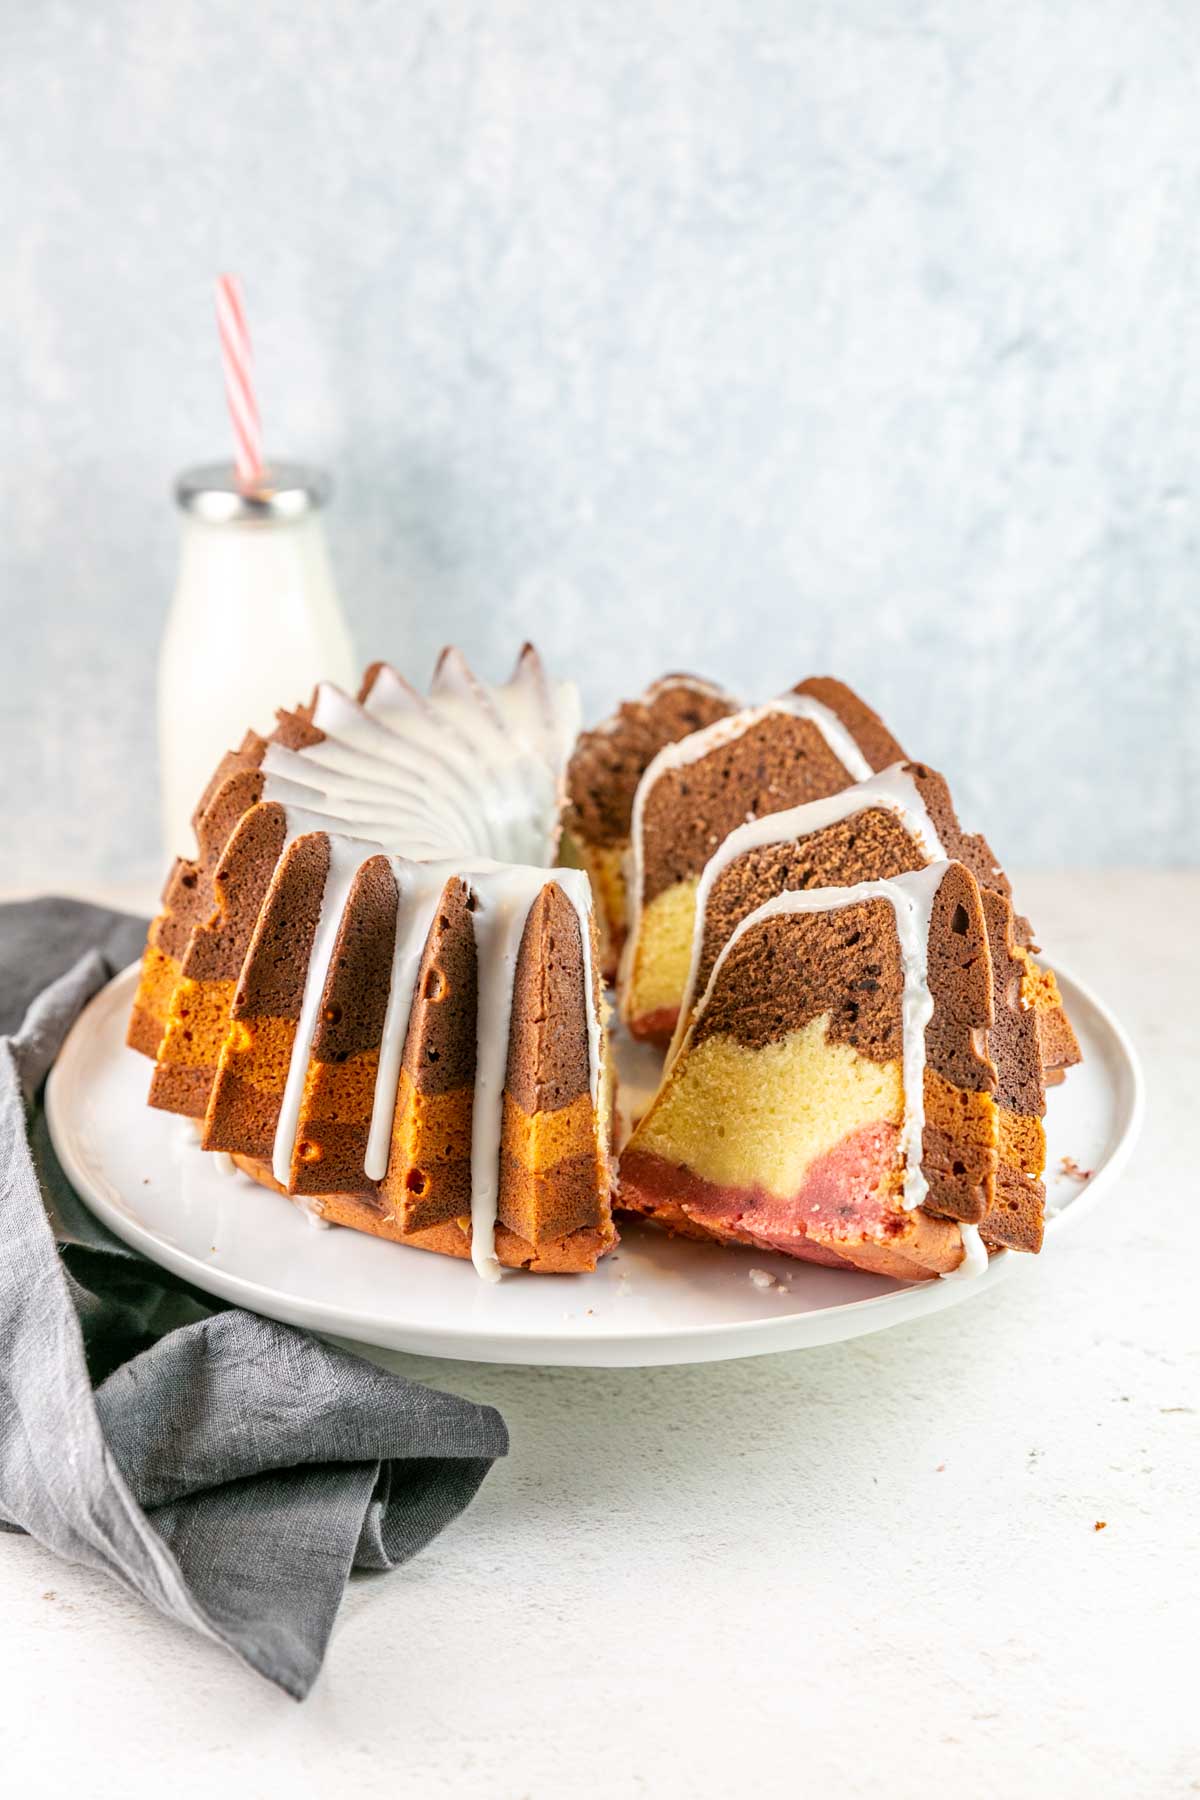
1071	1168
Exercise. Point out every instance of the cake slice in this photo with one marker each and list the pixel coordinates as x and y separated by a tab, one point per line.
895	823
602	778
814	741
834	1096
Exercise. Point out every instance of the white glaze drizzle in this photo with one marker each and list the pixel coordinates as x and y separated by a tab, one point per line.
192	1131
892	789
419	892
440	783
556	706
688	750
346	857
419	889
975	1256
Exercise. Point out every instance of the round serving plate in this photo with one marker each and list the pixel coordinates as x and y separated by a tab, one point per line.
656	1299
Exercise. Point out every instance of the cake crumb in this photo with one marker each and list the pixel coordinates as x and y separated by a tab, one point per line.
1100	1525
762	1278
1072	1170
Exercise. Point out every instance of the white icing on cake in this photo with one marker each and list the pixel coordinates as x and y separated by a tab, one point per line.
466	782
346	857
975	1256
892	789
688	750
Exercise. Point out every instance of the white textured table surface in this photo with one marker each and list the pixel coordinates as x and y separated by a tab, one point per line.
868	1569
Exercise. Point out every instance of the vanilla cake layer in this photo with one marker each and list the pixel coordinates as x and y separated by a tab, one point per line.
739	1116
659	962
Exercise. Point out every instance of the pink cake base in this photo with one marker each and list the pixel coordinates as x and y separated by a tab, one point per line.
844	1197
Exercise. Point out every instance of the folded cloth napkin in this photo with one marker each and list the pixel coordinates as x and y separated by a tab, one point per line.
231	1470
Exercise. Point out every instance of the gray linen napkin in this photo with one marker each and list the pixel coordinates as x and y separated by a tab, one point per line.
231	1470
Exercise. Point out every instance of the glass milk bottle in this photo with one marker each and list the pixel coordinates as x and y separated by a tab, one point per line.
254	624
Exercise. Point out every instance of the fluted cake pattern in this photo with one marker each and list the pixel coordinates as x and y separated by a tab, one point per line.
379	861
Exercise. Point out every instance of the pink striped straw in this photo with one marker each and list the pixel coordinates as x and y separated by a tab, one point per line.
239	380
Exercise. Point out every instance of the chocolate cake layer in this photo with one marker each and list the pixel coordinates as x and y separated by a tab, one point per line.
201	999
796	967
548	1057
868	846
779	761
551	1172
610	761
865	726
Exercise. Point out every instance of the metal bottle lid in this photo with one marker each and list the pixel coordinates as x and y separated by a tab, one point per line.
287	491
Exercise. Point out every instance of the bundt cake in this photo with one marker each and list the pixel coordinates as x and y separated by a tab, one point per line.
834	1094
892	824
375	997
602	779
369	989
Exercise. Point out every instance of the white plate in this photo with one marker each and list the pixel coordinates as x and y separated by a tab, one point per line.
654	1300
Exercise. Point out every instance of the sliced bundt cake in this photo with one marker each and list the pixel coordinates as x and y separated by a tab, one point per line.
377	996
894	823
834	1096
814	741
602	779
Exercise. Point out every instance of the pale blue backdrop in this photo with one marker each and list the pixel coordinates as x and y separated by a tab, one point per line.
761	338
